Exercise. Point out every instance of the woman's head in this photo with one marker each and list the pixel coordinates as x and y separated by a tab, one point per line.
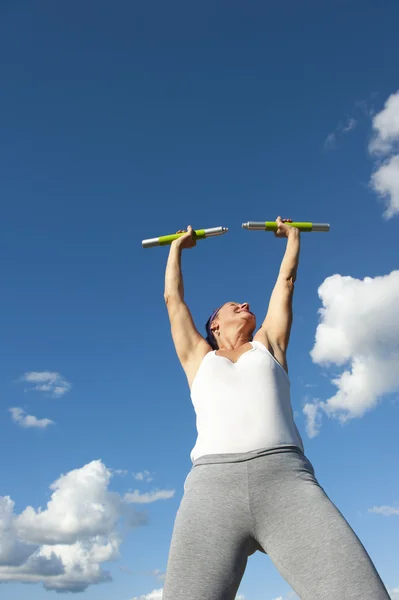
232	321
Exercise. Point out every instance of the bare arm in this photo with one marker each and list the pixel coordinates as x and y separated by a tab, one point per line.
189	344
276	327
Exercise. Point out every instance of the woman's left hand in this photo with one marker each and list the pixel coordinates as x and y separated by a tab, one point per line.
283	230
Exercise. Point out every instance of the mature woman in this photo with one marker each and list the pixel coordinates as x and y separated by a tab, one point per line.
251	487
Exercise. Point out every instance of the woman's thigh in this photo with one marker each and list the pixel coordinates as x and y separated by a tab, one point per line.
311	543
210	542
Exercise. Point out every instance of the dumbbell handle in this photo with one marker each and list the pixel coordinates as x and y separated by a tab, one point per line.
272	226
200	234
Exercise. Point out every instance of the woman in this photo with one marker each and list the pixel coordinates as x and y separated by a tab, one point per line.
251	486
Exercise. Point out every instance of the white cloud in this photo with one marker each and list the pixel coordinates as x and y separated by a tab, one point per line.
80	506
394	593
137	498
313	416
157	595
145	475
385	141
385	181
387	511
154	595
386	127
359	330
20	417
289	596
64	568
47	381
65	544
13	552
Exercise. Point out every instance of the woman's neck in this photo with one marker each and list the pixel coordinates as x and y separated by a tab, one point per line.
232	342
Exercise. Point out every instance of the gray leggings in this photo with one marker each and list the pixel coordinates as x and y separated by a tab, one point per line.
274	504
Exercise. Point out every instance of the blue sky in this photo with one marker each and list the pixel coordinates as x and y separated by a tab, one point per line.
129	121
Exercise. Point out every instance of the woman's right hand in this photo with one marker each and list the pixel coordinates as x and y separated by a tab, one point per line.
187	240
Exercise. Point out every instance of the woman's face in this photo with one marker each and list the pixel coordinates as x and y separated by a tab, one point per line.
235	313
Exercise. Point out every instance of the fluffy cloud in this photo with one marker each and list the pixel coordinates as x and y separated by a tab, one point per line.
387	511
80	506
157	595
359	332
385	181
64	568
137	498
386	126
384	144
20	417
13	552
47	381
290	596
394	593
154	595
65	544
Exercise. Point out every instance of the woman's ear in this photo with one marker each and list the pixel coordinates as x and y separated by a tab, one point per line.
214	327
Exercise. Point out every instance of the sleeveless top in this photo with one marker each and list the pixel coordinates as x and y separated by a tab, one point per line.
244	406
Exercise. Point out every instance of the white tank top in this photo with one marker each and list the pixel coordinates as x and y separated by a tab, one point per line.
242	406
